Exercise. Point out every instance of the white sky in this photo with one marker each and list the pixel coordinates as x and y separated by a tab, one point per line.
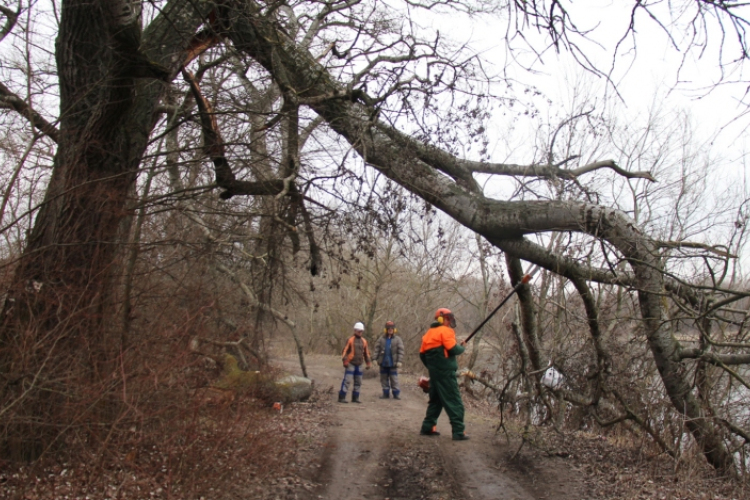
654	68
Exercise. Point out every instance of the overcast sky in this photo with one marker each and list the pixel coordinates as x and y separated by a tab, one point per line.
653	70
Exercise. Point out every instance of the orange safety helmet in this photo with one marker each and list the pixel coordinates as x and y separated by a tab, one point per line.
390	324
444	316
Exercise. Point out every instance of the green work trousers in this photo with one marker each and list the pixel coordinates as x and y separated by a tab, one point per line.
444	393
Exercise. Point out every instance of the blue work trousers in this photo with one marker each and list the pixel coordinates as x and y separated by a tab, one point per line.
389	380
351	372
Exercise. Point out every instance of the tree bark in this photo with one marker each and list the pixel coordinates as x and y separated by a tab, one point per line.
51	335
528	312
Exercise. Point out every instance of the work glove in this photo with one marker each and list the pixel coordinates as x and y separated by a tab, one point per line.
369	365
399	364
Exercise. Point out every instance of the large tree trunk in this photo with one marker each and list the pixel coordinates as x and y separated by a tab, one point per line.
422	170
51	337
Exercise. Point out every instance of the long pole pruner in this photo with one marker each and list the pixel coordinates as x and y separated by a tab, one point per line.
526	278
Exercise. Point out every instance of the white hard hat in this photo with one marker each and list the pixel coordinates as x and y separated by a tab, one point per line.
359	326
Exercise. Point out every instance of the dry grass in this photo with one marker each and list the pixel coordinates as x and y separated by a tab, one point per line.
617	465
246	450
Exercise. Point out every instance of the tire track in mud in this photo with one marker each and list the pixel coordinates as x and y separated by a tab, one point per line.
374	451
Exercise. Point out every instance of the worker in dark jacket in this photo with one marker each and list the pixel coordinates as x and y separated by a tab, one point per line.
438	353
355	353
389	355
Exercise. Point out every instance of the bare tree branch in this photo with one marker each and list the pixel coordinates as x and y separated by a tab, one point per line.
12	101
552	171
715	358
214	148
721	252
12	18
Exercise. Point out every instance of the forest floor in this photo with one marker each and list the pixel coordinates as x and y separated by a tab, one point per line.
322	450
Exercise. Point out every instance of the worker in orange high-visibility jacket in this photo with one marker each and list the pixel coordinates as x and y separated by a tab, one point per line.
438	353
355	353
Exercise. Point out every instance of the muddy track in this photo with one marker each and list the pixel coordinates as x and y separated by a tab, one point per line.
374	451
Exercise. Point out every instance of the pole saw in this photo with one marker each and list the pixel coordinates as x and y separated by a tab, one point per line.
424	382
526	278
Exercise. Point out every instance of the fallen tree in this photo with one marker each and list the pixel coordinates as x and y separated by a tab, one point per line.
112	79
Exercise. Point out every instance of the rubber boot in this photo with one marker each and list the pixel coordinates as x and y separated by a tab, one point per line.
397	395
386	395
342	398
431	432
355	398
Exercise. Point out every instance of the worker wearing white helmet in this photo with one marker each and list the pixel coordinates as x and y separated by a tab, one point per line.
355	353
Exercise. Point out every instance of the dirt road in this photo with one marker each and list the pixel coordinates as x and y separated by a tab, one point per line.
374	451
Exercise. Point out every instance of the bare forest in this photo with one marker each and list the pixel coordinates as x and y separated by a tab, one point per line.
188	182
